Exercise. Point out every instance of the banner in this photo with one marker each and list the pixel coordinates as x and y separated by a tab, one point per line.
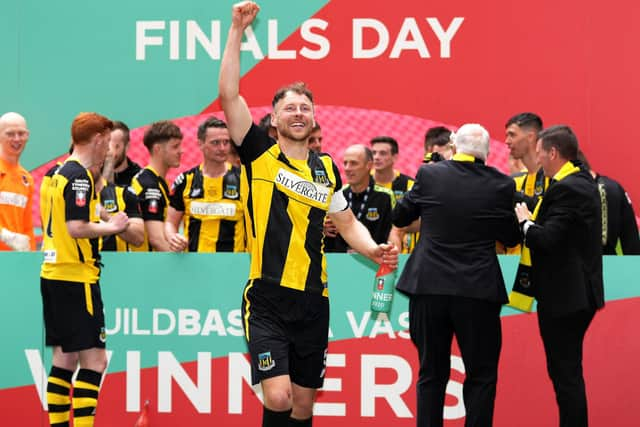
375	68
175	340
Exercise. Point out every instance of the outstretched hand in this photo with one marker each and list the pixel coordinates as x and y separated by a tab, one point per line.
386	253
243	14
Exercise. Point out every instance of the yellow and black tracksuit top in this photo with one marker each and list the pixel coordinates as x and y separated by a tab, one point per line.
114	199
285	205
153	198
213	211
399	186
70	196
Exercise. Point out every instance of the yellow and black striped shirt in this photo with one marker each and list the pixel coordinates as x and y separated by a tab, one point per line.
530	187
213	211
400	185
70	196
286	204
153	198
114	199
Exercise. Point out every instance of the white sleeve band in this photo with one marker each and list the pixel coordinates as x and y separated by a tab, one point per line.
338	202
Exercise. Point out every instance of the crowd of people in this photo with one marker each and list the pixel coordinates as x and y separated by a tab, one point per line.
270	190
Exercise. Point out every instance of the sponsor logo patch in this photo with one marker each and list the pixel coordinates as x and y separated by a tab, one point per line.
153	206
212	209
307	189
81	199
13	199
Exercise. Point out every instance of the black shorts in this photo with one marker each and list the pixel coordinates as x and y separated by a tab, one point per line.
73	315
287	332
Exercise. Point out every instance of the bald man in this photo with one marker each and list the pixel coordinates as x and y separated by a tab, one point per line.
16	186
371	203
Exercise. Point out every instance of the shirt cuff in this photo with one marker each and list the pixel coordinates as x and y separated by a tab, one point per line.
525	226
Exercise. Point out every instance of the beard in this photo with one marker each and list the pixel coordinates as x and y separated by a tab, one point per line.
285	132
118	161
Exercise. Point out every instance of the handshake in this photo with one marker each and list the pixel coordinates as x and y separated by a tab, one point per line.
16	241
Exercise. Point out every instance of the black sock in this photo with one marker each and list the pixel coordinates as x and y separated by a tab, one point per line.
293	422
275	418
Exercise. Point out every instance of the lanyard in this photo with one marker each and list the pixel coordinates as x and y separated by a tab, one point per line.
362	205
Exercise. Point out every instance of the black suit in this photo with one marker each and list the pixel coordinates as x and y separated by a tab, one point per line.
566	273
454	281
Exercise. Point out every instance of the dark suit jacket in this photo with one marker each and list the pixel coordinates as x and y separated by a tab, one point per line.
566	247
465	207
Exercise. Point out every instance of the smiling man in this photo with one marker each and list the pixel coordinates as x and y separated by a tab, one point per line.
207	197
290	191
16	186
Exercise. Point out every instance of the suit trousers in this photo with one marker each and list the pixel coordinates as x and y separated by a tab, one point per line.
563	337
433	320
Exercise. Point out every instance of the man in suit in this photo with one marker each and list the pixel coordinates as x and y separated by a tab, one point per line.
453	278
564	237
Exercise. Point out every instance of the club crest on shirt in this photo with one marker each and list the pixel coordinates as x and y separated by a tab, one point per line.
110	205
25	180
265	361
320	176
231	192
373	214
538	190
398	194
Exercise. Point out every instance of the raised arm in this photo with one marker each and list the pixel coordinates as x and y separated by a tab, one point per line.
234	106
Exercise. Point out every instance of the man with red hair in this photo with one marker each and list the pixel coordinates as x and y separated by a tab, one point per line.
69	278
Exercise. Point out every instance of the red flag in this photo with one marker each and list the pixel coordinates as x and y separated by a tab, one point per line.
143	419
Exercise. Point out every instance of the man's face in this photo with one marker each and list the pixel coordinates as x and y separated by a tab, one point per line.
315	141
118	147
293	117
444	150
216	145
545	159
518	140
383	159
13	137
172	152
102	146
356	166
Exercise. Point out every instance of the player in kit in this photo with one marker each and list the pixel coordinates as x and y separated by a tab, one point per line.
207	197
163	139
69	283
290	190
